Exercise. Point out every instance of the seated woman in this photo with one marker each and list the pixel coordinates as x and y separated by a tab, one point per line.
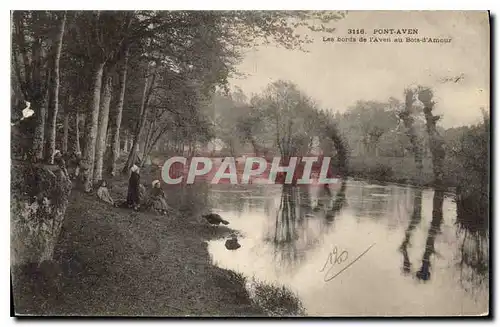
142	193
59	160
157	199
103	193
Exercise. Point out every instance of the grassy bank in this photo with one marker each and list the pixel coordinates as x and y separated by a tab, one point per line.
114	261
400	170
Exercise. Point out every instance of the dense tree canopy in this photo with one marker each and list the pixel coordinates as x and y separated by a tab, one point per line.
152	70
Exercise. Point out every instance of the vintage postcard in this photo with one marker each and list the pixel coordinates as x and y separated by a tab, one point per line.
250	163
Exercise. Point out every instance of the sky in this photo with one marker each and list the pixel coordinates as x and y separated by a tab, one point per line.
336	75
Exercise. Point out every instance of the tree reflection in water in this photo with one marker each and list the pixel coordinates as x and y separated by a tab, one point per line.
473	247
191	199
437	218
474	256
472	243
285	233
292	238
338	203
415	220
324	195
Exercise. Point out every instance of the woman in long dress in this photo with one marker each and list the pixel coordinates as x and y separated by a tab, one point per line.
158	200
133	195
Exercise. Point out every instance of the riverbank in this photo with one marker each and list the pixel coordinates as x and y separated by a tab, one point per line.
397	170
115	261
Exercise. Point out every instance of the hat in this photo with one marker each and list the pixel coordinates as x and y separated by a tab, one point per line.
155	182
27	112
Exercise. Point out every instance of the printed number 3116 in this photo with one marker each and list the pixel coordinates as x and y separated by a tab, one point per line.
356	31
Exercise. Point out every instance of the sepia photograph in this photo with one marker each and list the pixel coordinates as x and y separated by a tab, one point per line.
250	163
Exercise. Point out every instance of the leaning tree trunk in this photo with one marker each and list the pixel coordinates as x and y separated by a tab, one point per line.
91	123
117	118
54	94
142	122
103	127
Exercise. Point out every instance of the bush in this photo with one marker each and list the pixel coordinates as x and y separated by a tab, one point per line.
381	172
389	169
472	155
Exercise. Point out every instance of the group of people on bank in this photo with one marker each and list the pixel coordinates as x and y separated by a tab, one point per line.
137	196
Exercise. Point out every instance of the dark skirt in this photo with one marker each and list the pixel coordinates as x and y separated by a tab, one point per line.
133	195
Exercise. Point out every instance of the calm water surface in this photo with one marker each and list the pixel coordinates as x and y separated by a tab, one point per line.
415	262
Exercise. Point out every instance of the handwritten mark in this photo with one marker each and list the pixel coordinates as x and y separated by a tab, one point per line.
336	258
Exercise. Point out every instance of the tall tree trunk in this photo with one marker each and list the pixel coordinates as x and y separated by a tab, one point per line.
142	121
54	94
33	83
91	123
19	37
255	146
39	137
39	101
407	117
102	127
117	119
125	141
129	142
140	127
340	146
65	131
436	142
147	140
77	132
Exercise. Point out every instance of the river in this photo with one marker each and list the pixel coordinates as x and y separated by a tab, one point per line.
357	249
